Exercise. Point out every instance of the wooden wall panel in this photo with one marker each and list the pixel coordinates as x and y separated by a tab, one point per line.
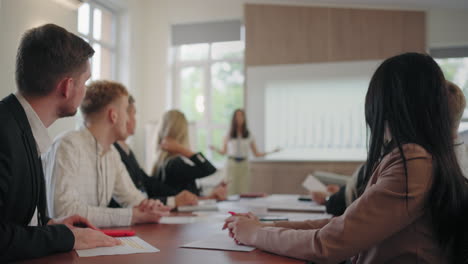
414	31
381	32
284	34
345	34
294	34
287	177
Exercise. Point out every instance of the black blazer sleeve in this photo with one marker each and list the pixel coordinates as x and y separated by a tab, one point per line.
181	174
23	242
183	171
336	204
157	189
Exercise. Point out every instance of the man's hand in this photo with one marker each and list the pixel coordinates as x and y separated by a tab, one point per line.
149	211
74	221
319	197
333	188
152	204
219	192
86	238
186	198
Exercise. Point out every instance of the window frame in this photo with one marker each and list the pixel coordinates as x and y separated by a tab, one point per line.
205	64
113	47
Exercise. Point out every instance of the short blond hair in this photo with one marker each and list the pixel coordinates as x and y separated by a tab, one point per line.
100	94
457	104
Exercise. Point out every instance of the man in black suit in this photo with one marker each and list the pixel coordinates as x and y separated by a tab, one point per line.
51	69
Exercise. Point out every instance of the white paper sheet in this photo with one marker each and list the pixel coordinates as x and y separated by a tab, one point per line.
130	245
313	185
201	207
303	206
220	241
283	202
178	220
306	216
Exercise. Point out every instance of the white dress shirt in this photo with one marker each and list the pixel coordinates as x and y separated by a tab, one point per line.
40	134
83	178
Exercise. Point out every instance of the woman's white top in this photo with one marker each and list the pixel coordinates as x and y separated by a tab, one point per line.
462	155
239	147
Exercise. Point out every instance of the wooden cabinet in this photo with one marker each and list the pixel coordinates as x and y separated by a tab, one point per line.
287	176
293	35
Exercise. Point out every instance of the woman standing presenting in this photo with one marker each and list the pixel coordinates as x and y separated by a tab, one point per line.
237	145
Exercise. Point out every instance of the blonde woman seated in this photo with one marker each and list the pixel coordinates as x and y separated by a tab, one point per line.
176	164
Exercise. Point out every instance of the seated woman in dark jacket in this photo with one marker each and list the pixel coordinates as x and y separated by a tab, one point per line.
177	166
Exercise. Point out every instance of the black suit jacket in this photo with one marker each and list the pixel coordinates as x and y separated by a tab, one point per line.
22	190
151	185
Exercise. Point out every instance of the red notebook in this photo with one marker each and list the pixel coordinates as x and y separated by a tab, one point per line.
118	233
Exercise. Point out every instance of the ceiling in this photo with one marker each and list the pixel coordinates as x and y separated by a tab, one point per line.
418	4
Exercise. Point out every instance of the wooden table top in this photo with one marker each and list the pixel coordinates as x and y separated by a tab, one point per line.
168	239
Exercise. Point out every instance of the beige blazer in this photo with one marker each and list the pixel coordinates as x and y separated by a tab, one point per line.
379	227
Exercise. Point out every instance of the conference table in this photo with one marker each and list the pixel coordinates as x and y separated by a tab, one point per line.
169	238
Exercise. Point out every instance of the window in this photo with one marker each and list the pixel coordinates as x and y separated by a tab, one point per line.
456	70
97	25
208	87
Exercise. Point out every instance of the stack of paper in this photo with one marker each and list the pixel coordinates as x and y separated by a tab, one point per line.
203	205
285	202
313	185
130	245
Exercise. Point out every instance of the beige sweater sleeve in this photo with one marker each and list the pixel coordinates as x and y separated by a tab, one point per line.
380	212
309	224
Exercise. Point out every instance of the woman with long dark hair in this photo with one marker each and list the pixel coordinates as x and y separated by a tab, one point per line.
413	206
237	145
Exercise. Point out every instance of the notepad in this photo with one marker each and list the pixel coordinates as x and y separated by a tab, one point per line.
220	241
130	245
313	185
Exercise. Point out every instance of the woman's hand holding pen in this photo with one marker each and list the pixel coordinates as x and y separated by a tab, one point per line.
243	227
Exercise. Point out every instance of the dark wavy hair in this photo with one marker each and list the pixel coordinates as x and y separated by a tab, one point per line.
408	94
233	129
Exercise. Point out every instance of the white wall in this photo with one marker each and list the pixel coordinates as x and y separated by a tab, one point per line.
151	42
17	16
145	68
447	27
